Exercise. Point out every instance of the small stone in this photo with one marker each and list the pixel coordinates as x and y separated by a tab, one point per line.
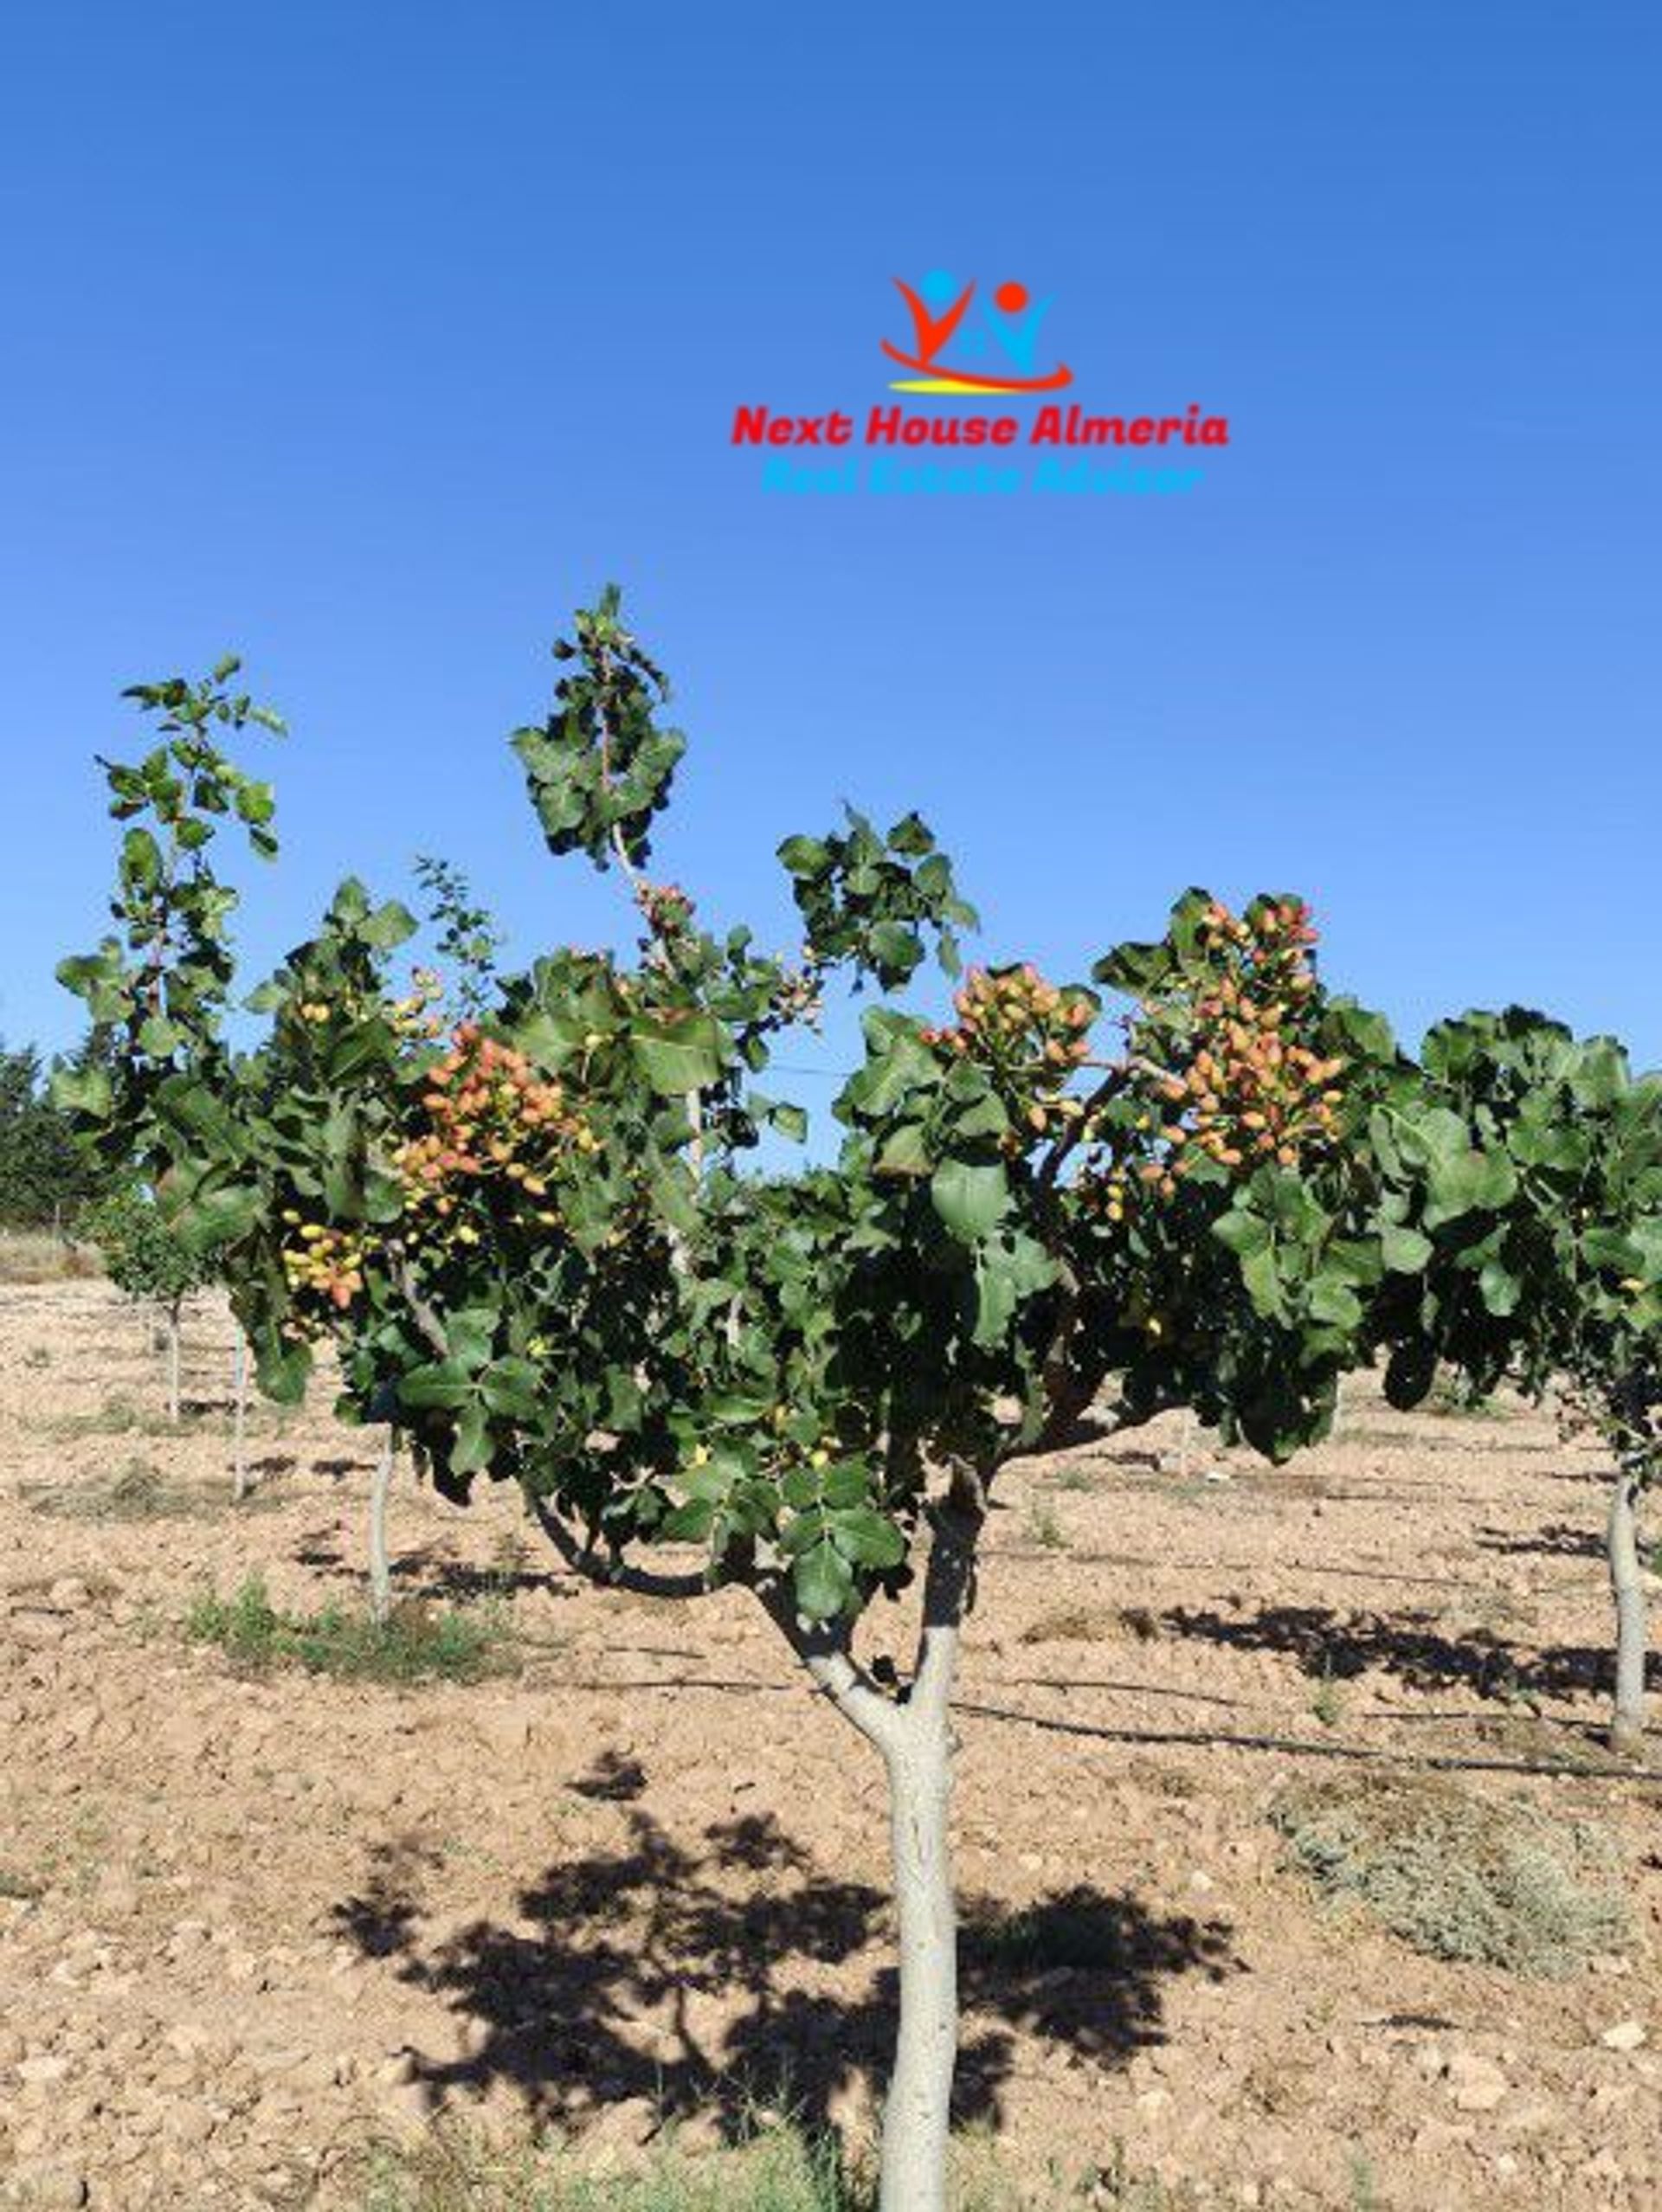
41	2072
1475	2084
1625	2035
50	2187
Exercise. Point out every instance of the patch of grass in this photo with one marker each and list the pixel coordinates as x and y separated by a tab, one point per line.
1092	1624
20	1889
778	2170
1074	1478
1044	1528
1327	1699
1459	1876
1364	2184
417	1642
116	1416
137	1491
452	2170
1449	1397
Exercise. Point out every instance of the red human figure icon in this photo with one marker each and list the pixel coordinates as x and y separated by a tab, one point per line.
933	330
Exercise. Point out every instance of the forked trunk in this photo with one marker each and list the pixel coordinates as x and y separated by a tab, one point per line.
380	1564
917	2115
1627	1588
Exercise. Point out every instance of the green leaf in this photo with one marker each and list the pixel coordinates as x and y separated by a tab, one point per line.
1468	1180
470	1332
220	1216
159	1036
141	859
1600	1073
689	1523
1242	1231
281	1368
512	1388
1501	1289
679	1056
471	1449
82	1090
970	1198
845	1483
1406	1250
824	1582
1335	1303
1258	1272
905	1152
444	1383
896	951
805	856
866	1539
389	925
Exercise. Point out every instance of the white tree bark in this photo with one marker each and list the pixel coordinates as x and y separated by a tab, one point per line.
1627	1589
173	1365
918	2115
916	1741
380	1563
240	1483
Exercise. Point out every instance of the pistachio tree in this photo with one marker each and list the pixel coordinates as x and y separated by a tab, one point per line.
146	1259
1526	1188
545	1247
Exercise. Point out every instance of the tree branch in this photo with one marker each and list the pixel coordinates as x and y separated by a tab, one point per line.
639	1582
949	1592
421	1312
831	1666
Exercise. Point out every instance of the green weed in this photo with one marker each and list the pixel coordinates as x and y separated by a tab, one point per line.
417	1642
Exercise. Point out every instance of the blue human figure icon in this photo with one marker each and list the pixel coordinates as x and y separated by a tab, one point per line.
1011	321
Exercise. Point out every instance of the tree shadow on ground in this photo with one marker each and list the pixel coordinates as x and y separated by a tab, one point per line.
1561	1541
711	1977
420	1571
1411	1647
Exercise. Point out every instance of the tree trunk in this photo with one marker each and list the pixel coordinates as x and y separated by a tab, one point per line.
173	1365
239	1484
1621	1547
915	1741
917	2115
380	1565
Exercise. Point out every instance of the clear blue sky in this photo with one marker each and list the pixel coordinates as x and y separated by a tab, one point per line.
368	339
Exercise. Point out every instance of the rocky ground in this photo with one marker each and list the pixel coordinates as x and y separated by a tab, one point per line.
249	1922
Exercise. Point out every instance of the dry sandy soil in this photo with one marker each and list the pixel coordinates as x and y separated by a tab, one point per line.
248	1921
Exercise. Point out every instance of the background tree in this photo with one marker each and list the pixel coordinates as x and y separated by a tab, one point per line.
145	1257
46	1178
1528	1188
